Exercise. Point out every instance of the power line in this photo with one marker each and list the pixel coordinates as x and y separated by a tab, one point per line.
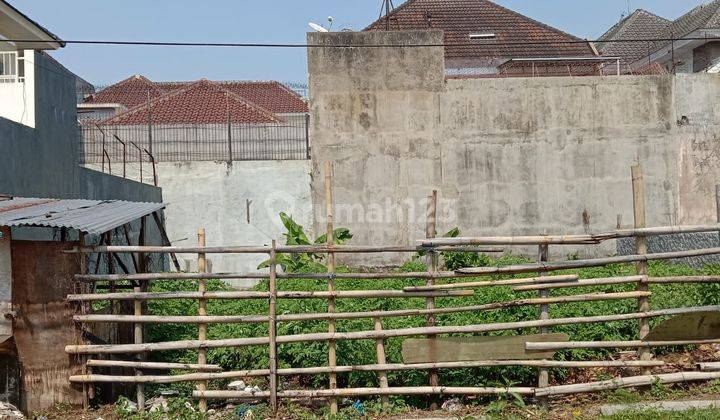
305	45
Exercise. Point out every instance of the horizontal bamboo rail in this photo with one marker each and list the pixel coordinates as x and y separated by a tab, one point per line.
297	249
581	283
709	366
372	334
232	319
158	319
306	276
588	239
152	365
597	262
684	280
349	294
358	392
530	280
364	368
633	381
614	344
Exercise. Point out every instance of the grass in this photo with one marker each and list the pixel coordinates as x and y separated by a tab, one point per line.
363	351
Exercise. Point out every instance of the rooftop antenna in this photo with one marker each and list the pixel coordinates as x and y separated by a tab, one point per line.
628	7
386	6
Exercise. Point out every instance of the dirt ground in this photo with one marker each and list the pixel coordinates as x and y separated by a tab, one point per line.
581	406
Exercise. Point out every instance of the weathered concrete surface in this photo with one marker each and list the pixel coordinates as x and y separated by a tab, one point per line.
611	410
214	195
508	156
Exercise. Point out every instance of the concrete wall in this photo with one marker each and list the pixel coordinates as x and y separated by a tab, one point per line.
43	161
508	156
215	195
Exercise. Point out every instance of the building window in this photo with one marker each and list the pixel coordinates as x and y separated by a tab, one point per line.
10	67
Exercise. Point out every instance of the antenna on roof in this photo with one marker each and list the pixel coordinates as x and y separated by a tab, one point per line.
388	6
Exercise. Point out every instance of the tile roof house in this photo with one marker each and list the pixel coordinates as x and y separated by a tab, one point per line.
680	56
194	120
509	29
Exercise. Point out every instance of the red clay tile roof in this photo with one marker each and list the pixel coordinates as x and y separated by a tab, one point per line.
271	95
459	18
130	92
202	102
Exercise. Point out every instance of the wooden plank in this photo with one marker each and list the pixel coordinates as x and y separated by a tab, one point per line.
696	326
459	349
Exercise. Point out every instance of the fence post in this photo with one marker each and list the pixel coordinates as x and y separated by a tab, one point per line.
202	311
150	136
638	185
544	313
717	206
307	135
432	263
381	360
332	356
272	329
229	129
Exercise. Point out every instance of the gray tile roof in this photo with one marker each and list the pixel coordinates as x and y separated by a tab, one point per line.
89	216
645	25
641	24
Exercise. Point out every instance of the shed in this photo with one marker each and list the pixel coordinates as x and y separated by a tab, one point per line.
36	276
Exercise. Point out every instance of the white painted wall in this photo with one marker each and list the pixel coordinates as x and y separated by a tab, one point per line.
213	195
17	100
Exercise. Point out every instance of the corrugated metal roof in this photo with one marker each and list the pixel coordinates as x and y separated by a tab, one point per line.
90	216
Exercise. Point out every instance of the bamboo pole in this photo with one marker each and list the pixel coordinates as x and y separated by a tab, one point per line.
159	319
633	381
684	280
587	239
543	313
83	265
202	311
235	319
432	266
381	360
151	365
138	338
564	265
709	366
330	236
343	294
638	188
272	331
581	283
596	262
564	345
362	368
367	335
357	392
487	283
167	276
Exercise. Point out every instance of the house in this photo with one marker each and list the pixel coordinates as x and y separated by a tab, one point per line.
485	39
78	206
200	120
689	55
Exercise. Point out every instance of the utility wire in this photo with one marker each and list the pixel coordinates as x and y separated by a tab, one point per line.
443	44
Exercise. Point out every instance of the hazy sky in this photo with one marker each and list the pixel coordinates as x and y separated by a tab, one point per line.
263	21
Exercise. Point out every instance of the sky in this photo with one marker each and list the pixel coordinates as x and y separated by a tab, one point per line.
262	21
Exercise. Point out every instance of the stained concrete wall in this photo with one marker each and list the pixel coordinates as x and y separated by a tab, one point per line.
214	195
508	156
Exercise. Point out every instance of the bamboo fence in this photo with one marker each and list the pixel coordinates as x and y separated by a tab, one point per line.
437	285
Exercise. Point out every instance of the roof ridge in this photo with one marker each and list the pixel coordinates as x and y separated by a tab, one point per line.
179	91
545	25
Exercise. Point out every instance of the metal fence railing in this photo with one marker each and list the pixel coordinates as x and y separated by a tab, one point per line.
202	142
